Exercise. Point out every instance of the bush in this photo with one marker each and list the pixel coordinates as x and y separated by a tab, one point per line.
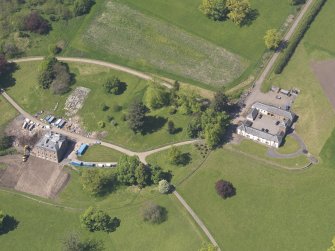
113	85
7	223
101	124
164	186
289	51
34	22
225	189
171	128
156	96
97	220
82	7
74	243
153	213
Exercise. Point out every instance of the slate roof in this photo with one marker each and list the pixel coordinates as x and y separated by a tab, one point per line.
274	110
51	141
253	114
261	134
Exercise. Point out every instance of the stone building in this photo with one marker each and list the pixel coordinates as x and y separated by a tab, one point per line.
52	146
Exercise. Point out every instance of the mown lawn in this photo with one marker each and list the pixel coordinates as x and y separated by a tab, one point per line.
260	151
289	145
183	171
179	232
7	113
33	99
99	153
316	117
273	209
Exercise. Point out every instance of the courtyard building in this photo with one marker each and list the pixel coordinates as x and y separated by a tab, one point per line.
266	124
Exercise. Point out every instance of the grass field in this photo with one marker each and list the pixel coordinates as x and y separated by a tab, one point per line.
316	117
179	172
260	151
281	207
328	152
174	40
7	112
33	99
289	146
99	153
178	233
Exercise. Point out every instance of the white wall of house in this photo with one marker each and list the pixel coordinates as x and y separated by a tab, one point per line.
258	139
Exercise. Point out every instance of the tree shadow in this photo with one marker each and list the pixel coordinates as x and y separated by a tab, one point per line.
122	88
114	224
177	130
185	159
7	79
153	124
9	224
252	15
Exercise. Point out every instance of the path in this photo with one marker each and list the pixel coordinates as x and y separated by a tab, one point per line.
256	91
96	62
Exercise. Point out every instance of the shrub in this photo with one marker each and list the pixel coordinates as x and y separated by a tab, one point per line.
7	223
113	85
153	213
82	7
73	242
175	156
97	220
225	189
156	96
164	186
289	51
104	107
171	128
101	124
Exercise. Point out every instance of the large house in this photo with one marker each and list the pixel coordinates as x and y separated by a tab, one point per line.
266	124
52	146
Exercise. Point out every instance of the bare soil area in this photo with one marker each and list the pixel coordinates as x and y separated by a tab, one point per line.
325	73
36	176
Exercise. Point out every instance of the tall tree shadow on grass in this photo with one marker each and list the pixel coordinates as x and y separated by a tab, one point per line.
6	78
9	223
252	15
153	124
122	88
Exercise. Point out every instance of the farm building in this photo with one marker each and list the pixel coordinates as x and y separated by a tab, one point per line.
266	124
52	147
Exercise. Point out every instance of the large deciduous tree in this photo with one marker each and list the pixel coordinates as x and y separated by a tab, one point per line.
34	22
272	39
238	10
136	116
156	96
95	219
113	85
126	168
142	175
153	213
214	9
220	102
225	189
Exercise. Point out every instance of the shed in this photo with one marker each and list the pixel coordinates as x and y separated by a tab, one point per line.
82	149
286	92
62	123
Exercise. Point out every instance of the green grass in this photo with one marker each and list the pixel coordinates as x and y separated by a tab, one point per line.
179	232
328	152
312	107
179	172
175	40
33	99
260	151
290	145
280	206
7	113
99	153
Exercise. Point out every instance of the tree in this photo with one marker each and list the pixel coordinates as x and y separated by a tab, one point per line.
113	85
194	127
175	156
34	22
73	242
171	127
5	142
136	116
272	39
296	2
225	189
214	9
82	7
157	174
208	247
126	169
7	223
142	175
156	96
62	78
164	186
189	103
213	135
153	213
98	182
97	220
238	10
46	73
220	102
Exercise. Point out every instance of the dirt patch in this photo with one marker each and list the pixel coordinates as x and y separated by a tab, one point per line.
36	176
325	73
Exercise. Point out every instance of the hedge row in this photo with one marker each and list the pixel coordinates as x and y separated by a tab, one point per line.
289	51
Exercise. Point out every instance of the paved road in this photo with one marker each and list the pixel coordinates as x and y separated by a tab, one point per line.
96	62
256	92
